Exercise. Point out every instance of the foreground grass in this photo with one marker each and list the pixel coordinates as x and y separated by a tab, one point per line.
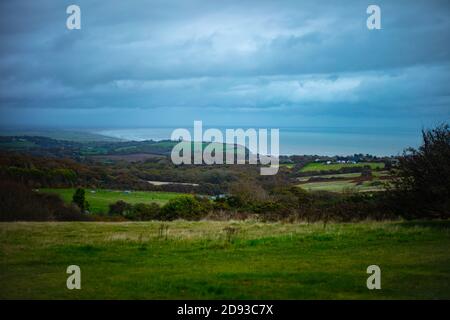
200	260
100	200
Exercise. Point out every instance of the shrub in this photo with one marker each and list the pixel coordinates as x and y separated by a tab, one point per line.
423	184
119	208
185	207
144	212
137	212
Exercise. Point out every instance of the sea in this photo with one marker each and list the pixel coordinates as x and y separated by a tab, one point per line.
327	141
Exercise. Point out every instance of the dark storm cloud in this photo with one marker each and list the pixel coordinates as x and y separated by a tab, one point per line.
305	57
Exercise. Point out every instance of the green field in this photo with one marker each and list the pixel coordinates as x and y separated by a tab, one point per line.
342	182
100	200
319	166
333	176
197	261
342	186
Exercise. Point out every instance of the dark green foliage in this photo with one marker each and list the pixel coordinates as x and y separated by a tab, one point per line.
423	185
294	203
185	207
80	200
144	212
119	208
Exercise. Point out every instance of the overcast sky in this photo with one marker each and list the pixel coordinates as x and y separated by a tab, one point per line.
256	63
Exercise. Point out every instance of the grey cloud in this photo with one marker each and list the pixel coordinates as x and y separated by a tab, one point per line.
308	57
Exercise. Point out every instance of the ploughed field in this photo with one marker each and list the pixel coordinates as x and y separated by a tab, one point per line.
225	260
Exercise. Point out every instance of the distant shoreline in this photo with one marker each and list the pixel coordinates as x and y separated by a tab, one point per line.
326	141
296	141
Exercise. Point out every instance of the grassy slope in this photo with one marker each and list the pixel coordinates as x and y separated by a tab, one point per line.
294	261
316	166
100	200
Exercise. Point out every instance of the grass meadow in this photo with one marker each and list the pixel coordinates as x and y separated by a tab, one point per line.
225	260
319	166
100	199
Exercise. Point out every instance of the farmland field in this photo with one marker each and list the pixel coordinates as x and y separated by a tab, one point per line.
346	182
333	176
342	186
100	200
319	166
200	260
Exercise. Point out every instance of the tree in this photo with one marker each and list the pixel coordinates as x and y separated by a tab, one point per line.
424	174
80	200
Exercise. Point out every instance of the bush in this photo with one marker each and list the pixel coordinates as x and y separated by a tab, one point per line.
137	212
185	207
293	203
119	208
144	212
423	184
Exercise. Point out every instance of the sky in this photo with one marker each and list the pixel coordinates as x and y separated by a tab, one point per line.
228	63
